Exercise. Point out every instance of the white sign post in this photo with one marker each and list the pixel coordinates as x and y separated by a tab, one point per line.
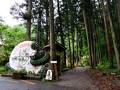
54	62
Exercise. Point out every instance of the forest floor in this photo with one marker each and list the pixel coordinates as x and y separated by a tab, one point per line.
104	81
76	79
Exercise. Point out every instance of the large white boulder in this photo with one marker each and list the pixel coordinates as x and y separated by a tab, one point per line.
20	58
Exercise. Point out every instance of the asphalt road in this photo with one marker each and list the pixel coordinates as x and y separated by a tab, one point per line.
76	79
11	84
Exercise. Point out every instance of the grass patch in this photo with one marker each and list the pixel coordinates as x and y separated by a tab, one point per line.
2	69
5	70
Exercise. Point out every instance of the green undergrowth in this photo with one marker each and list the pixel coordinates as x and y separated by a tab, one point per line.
84	61
104	67
4	70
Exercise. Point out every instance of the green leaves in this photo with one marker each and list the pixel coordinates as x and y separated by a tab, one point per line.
10	37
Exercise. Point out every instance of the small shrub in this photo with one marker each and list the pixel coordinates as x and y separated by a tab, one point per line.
2	69
104	66
3	57
19	74
84	61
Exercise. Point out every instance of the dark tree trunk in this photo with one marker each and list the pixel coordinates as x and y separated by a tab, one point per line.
38	39
73	49
52	41
47	23
89	26
107	35
113	35
29	20
61	32
77	46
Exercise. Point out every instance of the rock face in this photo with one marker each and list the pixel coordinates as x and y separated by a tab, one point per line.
20	58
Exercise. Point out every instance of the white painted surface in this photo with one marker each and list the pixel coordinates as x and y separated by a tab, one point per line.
20	58
49	75
53	61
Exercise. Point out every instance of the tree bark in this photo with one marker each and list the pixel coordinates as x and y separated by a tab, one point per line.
29	20
107	35
52	41
47	23
113	36
61	32
89	29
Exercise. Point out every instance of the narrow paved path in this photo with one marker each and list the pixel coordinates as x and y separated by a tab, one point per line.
10	84
76	79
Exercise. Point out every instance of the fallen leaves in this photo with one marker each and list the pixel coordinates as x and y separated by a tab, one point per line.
103	81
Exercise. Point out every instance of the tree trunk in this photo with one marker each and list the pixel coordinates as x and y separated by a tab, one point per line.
61	32
77	46
118	9
113	36
52	41
89	30
73	50
107	35
69	48
47	23
39	28
118	12
29	20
